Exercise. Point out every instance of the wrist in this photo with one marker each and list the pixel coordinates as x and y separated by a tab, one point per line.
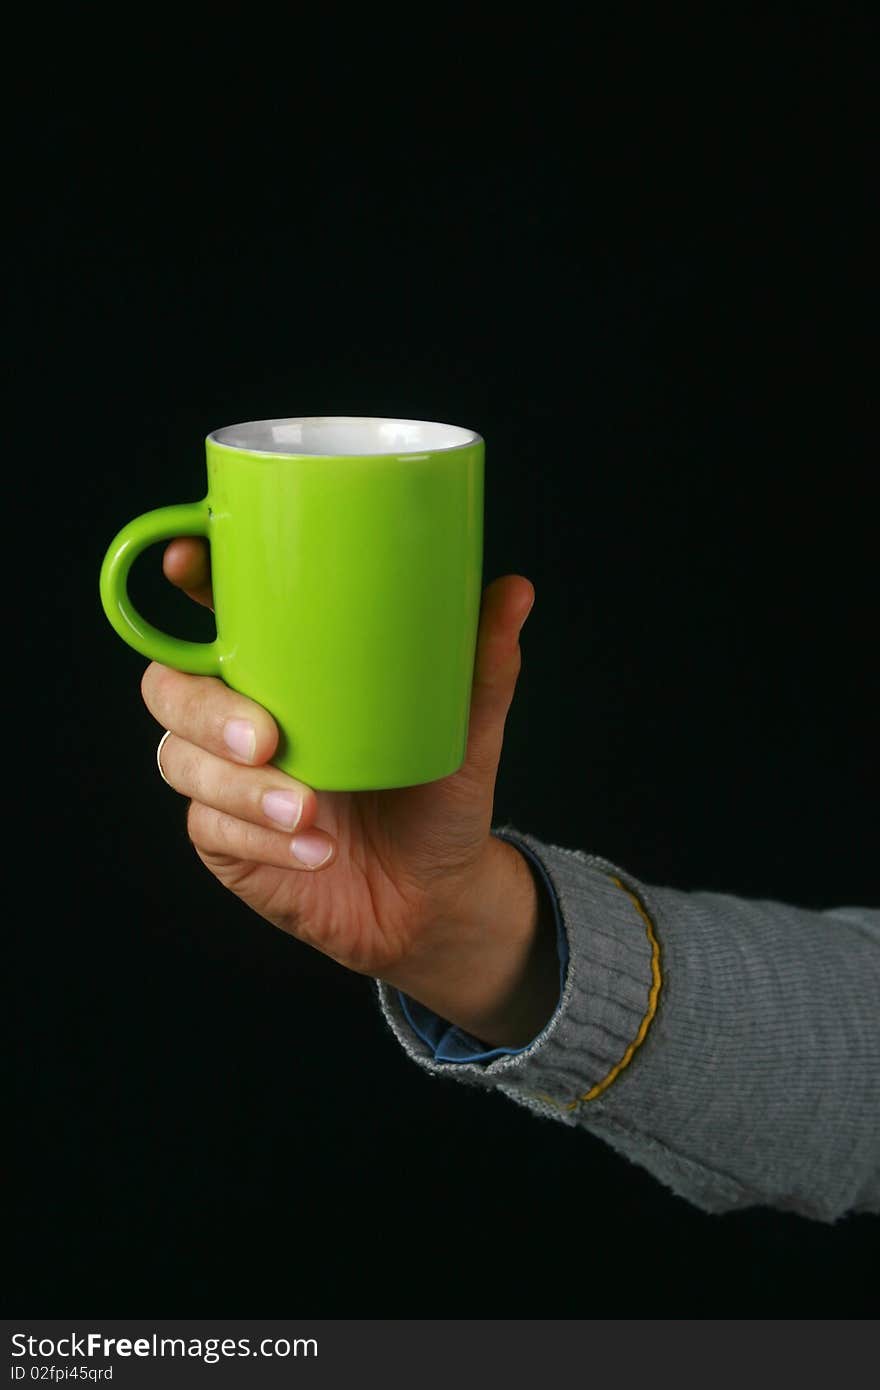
487	960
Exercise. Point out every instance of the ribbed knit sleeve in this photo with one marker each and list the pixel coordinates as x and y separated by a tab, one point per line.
729	1046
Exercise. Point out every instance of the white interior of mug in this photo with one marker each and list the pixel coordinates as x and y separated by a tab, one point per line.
342	434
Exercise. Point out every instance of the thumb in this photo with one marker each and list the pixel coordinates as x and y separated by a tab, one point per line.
505	606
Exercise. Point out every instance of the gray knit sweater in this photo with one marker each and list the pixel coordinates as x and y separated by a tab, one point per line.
729	1046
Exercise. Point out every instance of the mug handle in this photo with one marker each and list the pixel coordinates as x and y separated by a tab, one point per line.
161	524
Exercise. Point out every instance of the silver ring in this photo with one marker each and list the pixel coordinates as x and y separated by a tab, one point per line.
162	741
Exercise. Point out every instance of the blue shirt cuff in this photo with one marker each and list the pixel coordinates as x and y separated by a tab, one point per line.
452	1044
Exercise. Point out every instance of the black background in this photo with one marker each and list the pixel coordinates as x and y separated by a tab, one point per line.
638	256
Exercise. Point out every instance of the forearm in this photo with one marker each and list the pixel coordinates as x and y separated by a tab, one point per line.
488	962
759	1079
731	1047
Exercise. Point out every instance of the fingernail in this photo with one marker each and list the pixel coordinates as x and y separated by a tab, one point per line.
310	850
284	808
240	738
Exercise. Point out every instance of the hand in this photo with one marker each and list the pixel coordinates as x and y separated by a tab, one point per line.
407	884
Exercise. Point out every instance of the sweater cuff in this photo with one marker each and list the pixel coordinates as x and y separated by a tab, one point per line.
607	1000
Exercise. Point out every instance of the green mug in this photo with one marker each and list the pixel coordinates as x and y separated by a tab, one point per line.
346	563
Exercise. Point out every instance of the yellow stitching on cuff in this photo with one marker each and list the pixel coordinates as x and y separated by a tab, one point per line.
649	1014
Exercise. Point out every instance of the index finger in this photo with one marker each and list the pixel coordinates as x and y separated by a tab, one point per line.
186	564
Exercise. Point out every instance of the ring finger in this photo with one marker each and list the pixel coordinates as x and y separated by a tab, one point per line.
262	796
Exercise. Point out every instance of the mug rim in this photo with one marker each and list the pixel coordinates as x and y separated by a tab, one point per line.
472	437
